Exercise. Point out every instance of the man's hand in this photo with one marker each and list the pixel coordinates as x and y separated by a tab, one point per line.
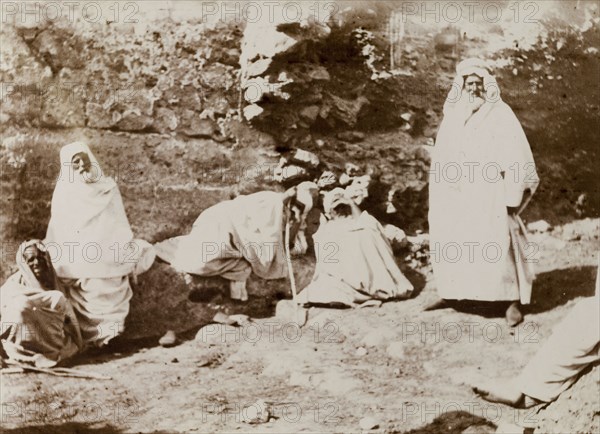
512	210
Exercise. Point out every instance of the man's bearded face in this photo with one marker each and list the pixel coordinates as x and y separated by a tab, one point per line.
82	165
474	86
473	92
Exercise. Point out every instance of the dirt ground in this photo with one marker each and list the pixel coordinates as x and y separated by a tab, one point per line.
409	370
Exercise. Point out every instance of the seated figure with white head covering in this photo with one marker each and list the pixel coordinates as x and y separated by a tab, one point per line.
355	263
92	245
241	236
38	322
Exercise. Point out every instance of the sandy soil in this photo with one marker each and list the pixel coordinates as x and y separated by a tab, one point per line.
412	374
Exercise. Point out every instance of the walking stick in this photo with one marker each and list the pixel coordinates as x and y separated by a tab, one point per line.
299	314
288	258
18	367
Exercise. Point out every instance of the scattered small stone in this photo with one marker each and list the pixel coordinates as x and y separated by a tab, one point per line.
251	111
351	136
367	423
361	351
217	334
210	360
289	173
539	226
395	350
169	339
175	360
344	179
222	318
306	158
352	169
310	113
240	319
394	234
257	412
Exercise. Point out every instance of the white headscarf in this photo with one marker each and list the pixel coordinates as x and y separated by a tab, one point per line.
28	278
88	235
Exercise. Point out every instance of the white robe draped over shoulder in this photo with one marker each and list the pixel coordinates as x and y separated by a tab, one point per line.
481	164
355	264
233	239
92	247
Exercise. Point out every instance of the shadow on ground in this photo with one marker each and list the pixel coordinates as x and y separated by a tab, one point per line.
67	428
557	287
455	422
550	290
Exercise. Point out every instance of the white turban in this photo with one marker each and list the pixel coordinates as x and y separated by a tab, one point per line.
468	67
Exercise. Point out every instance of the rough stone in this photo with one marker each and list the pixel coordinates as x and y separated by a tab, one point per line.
351	136
251	111
310	113
306	158
59	48
218	76
63	109
200	127
539	226
134	120
101	117
343	111
318	73
165	120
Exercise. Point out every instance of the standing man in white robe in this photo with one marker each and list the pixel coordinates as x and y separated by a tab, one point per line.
482	176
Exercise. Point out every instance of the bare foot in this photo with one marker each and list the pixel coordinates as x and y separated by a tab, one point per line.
513	314
503	392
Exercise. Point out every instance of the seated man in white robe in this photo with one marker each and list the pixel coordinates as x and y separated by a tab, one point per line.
355	263
238	237
39	325
573	346
93	249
